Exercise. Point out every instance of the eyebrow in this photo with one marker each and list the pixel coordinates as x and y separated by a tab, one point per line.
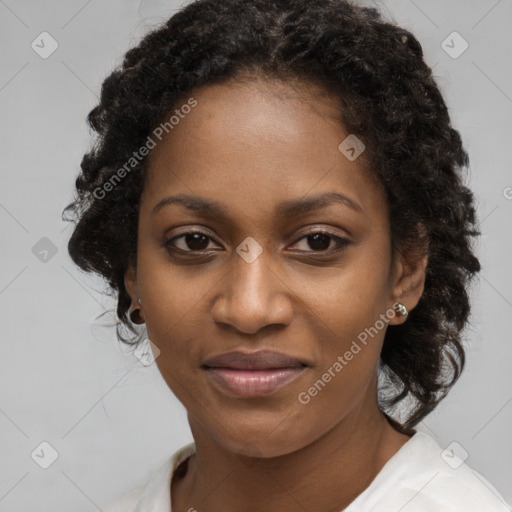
285	209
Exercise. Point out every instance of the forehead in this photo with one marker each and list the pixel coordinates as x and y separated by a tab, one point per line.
256	143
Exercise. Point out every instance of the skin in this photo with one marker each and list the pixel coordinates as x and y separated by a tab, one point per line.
250	146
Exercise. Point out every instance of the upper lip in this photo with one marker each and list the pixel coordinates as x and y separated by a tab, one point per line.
262	360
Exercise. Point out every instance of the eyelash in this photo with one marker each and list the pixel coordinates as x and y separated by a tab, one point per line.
342	242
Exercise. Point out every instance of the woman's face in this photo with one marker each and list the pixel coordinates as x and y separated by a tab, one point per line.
255	278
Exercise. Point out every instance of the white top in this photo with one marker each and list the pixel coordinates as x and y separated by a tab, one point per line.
420	477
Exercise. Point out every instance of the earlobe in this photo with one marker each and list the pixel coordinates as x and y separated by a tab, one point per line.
409	282
131	285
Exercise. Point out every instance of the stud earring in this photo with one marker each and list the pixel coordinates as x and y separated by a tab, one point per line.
401	310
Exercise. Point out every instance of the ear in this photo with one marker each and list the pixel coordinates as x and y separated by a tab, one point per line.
408	276
130	283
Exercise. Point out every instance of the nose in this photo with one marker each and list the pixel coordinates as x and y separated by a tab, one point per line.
253	296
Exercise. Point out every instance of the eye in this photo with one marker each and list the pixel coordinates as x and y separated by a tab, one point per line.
194	240
320	241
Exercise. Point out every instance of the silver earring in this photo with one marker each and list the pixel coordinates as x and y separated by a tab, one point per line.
140	301
401	310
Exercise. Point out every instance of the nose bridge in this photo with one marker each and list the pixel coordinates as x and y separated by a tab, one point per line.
253	296
251	279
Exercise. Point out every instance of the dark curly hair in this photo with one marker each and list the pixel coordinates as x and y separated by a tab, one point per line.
390	101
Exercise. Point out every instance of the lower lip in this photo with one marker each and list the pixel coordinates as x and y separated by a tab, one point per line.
253	383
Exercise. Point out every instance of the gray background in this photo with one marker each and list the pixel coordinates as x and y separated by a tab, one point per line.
63	377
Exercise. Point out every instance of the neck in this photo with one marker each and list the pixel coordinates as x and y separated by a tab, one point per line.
325	475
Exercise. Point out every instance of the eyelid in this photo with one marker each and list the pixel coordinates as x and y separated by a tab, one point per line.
341	241
189	231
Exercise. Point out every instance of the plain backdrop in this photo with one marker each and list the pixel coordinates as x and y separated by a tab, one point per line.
66	381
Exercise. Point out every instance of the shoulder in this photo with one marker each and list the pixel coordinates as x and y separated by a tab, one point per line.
422	477
154	493
461	489
126	502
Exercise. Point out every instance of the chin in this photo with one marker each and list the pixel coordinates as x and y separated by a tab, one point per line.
264	443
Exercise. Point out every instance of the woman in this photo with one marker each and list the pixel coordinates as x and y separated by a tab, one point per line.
276	193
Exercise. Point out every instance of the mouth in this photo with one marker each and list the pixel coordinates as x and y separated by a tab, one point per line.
248	375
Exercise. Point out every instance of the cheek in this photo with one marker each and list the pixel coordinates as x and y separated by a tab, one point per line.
351	296
351	314
171	292
172	299
345	375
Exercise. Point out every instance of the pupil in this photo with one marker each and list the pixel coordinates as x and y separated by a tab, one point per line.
195	241
317	241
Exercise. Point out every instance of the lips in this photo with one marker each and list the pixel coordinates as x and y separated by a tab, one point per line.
250	375
262	360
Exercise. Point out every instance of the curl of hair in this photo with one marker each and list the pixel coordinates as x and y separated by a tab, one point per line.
389	100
